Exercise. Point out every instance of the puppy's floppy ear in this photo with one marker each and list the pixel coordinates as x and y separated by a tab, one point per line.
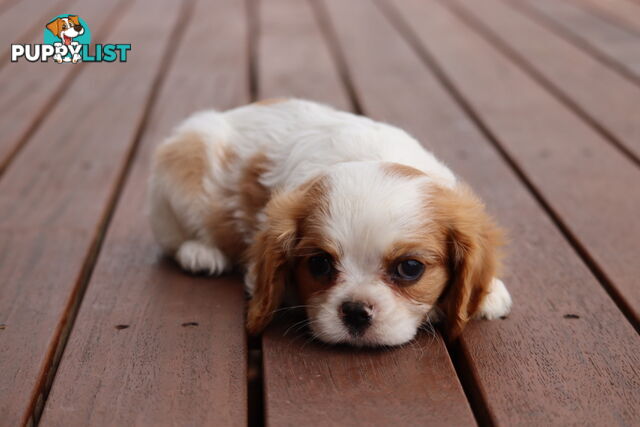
74	19
269	256
473	257
54	26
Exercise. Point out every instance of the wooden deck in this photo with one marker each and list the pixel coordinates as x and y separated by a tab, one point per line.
536	103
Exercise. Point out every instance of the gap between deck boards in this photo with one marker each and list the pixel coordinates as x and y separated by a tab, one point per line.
43	387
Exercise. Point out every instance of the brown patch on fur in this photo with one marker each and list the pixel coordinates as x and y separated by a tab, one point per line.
274	250
307	286
227	157
271	101
185	161
312	243
400	170
222	227
221	223
429	248
254	195
472	253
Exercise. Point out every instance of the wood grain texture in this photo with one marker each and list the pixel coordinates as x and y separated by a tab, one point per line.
307	383
182	358
583	179
25	20
536	367
293	59
596	91
6	5
54	199
612	43
624	13
33	88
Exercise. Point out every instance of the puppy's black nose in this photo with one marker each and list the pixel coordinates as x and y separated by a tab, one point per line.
356	316
78	27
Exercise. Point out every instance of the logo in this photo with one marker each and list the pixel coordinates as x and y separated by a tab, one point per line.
67	39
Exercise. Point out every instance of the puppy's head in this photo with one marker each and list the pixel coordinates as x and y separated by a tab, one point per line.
374	250
66	28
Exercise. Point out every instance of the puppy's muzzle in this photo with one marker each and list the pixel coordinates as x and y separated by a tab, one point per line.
356	316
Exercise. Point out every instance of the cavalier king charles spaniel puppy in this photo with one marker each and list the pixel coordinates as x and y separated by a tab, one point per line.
354	218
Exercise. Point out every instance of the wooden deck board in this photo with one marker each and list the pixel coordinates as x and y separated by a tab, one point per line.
514	368
587	85
613	44
625	13
65	180
413	384
532	104
185	342
308	383
36	87
6	5
304	68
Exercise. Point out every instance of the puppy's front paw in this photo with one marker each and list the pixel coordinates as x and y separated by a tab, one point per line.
197	257
497	303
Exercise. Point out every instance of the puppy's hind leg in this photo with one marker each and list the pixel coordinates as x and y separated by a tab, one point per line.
193	254
180	203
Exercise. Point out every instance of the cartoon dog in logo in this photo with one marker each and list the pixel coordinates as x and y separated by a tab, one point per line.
66	29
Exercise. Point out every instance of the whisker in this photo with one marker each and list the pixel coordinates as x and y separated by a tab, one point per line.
290	308
293	326
313	337
308	323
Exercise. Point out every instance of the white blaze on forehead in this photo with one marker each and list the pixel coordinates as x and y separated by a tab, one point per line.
370	209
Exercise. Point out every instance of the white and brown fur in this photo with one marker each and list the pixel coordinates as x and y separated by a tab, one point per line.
270	184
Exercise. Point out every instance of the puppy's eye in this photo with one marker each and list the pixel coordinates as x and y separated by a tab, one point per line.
320	265
409	269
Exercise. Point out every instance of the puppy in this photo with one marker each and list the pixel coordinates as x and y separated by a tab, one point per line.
369	231
66	29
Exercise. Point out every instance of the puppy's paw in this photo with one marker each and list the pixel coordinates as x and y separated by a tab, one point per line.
197	257
497	303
